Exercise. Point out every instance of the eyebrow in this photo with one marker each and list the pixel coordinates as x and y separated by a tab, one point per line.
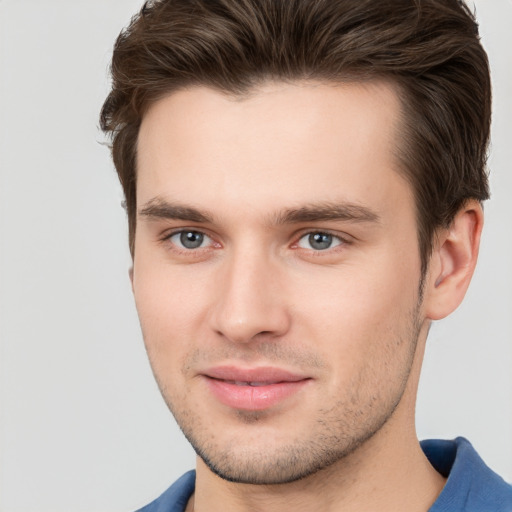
327	211
158	208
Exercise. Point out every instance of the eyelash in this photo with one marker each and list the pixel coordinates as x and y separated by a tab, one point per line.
341	241
183	250
335	239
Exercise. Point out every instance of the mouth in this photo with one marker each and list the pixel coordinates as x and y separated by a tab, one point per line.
254	384
253	389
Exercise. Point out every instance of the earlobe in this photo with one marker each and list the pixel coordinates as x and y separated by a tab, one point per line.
130	274
453	262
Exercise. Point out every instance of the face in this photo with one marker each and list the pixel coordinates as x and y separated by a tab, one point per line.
276	272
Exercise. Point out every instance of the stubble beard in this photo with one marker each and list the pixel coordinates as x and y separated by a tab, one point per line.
337	431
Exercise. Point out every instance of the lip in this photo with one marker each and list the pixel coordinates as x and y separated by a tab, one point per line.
253	389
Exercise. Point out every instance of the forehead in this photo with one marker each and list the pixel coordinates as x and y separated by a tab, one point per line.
281	144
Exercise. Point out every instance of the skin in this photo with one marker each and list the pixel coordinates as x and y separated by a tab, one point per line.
258	292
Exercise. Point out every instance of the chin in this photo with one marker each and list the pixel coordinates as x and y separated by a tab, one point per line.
268	461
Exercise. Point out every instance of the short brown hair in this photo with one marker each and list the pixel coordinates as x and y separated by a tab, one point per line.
429	49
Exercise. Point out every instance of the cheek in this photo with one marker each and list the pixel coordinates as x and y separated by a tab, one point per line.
361	318
357	296
169	309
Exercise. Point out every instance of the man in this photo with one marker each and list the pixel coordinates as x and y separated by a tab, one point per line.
303	182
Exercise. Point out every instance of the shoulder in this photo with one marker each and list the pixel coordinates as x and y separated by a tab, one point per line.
471	485
176	497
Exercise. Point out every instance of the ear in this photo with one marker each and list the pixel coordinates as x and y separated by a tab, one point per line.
130	274
453	262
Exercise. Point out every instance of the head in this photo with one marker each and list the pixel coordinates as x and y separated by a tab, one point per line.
297	178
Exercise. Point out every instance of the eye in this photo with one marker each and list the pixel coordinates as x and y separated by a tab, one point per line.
319	241
190	239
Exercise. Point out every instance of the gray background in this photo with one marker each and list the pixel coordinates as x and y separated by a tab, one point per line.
82	424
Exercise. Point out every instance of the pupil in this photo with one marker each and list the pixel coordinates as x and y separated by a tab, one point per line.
320	241
191	239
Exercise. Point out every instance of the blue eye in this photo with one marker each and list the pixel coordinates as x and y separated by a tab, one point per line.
319	241
190	239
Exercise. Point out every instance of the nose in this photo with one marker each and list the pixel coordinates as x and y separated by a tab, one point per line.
251	301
